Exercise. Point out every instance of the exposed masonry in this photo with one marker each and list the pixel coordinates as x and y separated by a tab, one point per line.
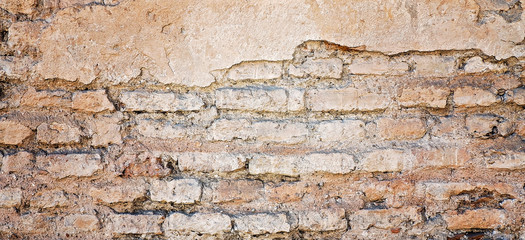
334	143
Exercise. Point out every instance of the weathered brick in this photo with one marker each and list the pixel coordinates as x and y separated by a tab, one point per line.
160	129
443	191
285	192
207	223
134	224
45	99
449	127
65	165
476	64
49	199
482	126
318	68
384	218
347	99
322	220
518	96
377	65
58	133
474	97
35	223
10	197
119	190
508	161
271	99
160	101
434	66
401	129
475	219
176	191
388	160
78	223
345	130
210	162
264	131
13	133
262	223
105	130
18	162
149	164
446	157
23	6
234	191
335	163
428	96
91	101
254	70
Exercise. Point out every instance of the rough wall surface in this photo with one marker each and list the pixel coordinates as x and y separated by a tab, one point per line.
222	120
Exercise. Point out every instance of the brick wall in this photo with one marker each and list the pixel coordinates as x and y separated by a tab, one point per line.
335	143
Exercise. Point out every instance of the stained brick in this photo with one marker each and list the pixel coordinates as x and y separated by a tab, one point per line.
207	223
106	130
13	133
45	99
262	223
264	131
234	191
335	163
92	101
210	162
389	160
176	191
318	68
285	192
443	191
10	197
401	129
160	101
509	161
428	96
271	99
384	218
78	223
65	165
322	220
346	130
474	97
18	162
119	190
254	70
134	224
475	219
49	199
58	133
347	99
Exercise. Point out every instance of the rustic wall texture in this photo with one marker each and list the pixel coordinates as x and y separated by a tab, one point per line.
211	119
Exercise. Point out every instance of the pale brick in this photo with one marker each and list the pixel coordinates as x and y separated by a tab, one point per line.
450	127
106	130
482	126
476	64
285	192
431	96
49	199
13	133
475	219
401	129
160	129
336	131
508	161
45	99
134	224
474	97
210	162
19	6
119	190
518	96
347	99
91	101
35	223
377	66
262	223
10	197
434	66
389	160
446	157
18	162
58	133
322	220
160	101
234	191
384	218
443	191
254	70
269	99
318	68
176	191
78	223
265	131
65	165
207	223
334	163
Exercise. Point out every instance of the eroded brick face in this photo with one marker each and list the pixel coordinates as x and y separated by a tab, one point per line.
331	142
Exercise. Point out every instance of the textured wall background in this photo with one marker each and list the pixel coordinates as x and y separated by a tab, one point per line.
264	120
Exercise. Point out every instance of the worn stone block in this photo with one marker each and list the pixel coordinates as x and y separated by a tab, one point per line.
475	219
334	163
13	133
119	190
185	191
134	224
66	165
431	96
262	223
18	162
474	97
234	191
207	223
49	199
78	223
10	197
340	131
58	133
401	129
322	220
264	131
160	101
388	160
210	162
91	101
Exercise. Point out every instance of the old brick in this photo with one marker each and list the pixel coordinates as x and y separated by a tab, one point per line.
318	68
92	101
476	64
160	101
106	130
518	96
10	197
45	99
475	219
264	131
18	162
176	191
160	129
482	126
508	161
254	70
269	99
401	129
119	190
134	224
322	220
345	130
234	191
13	133
443	191
22	6
347	99
65	165
432	96
35	223
149	164
335	163
520	128
384	218
434	66
388	160
474	97
58	133
285	192
78	223
49	199
262	223
449	127
446	157
377	66
207	223
210	162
